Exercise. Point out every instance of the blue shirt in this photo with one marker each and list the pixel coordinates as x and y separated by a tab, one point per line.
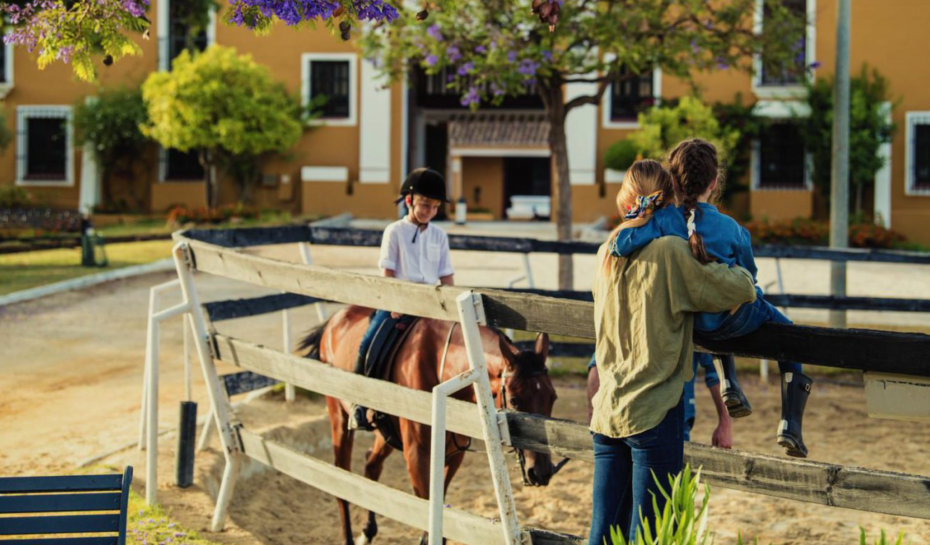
724	239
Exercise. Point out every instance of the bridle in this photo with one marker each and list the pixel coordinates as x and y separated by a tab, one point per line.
502	396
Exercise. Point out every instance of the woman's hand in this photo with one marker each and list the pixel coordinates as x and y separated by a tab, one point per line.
396	315
723	435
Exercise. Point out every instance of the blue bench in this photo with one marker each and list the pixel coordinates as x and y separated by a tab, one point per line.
43	499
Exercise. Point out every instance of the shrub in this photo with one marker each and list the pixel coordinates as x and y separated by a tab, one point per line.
180	215
621	154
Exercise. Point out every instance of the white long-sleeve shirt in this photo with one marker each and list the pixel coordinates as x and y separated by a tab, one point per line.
423	261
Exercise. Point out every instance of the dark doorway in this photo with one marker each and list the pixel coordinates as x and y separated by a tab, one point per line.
526	176
437	150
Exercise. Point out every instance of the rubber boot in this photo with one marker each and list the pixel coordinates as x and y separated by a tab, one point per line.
730	390
795	389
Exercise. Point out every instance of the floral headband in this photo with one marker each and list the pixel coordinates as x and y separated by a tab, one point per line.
644	205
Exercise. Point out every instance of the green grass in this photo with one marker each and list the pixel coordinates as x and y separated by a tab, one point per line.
31	269
148	524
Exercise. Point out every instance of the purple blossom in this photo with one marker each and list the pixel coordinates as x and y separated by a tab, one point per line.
431	60
434	32
814	65
450	78
512	56
292	12
547	55
472	97
481	49
694	47
453	53
528	67
722	64
466	68
495	90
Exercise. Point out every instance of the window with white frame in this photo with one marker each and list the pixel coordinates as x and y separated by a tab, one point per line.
772	77
780	160
333	76
917	176
629	95
44	154
6	65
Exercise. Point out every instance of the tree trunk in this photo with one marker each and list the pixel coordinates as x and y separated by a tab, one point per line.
562	189
206	161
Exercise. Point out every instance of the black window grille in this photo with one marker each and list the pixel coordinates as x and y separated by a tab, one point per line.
3	61
178	31
331	79
790	72
921	173
183	166
434	91
630	95
47	148
781	157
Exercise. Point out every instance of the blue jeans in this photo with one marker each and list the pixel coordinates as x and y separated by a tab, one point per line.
749	318
376	320
623	475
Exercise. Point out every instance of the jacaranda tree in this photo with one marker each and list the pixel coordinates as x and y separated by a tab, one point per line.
497	48
223	105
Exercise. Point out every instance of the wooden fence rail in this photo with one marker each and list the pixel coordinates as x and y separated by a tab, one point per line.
337	236
802	480
866	350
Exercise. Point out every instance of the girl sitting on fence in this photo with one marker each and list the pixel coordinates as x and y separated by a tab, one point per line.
717	237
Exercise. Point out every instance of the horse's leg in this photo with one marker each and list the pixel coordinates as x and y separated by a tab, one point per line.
342	448
417	454
374	464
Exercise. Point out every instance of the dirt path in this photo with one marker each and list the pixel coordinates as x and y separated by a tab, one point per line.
71	374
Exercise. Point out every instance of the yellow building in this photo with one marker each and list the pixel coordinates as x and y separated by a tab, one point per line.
371	135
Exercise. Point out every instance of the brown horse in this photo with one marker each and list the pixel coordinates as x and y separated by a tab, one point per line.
416	365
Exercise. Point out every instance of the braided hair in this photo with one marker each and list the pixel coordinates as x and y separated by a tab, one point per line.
694	167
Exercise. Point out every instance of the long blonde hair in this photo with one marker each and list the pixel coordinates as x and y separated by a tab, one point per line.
643	178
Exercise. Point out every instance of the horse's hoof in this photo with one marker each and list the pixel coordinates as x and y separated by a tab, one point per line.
362	539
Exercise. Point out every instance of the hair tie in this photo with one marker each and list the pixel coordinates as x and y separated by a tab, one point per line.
645	205
692	227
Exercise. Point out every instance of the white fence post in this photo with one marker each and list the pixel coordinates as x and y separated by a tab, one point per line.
219	402
471	314
151	356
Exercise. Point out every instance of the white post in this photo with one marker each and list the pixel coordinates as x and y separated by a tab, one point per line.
218	401
471	313
529	271
151	408
151	352
437	456
186	327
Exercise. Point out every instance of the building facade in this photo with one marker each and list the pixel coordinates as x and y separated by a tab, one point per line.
372	133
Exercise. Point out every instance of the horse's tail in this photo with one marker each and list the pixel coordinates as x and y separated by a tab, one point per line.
311	342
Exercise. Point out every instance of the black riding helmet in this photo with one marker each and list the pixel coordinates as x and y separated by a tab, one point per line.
426	182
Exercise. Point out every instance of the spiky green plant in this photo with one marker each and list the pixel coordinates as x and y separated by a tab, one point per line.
678	523
882	540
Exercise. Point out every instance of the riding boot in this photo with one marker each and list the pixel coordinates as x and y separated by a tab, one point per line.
358	415
795	389
731	391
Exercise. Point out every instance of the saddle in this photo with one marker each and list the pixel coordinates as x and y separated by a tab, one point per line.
379	363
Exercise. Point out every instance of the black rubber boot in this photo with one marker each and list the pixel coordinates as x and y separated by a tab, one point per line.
733	397
795	389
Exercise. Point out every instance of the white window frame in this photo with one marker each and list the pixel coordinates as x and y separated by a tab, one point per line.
779	110
352	58
164	8
23	114
606	121
7	86
912	119
810	43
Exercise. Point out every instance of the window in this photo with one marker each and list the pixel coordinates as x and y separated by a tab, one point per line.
630	95
3	61
183	166
780	159
433	91
918	153
43	145
332	75
787	77
330	79
6	68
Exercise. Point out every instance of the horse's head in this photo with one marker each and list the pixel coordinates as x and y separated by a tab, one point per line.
526	387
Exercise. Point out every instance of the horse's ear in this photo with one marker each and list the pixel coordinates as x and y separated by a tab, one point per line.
542	345
507	350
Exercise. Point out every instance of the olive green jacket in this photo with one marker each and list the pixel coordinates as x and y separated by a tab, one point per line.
644	309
